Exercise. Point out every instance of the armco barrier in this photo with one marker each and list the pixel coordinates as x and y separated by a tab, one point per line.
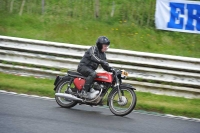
157	73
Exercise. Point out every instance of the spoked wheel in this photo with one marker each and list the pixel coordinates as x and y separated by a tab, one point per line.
63	102
125	105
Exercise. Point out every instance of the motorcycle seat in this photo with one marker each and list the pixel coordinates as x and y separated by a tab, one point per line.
75	74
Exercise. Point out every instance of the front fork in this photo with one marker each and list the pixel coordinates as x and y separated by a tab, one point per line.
119	93
118	89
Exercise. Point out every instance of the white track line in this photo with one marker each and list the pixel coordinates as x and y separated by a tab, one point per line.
26	95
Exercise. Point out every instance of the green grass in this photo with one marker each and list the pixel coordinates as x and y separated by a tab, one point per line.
169	105
145	101
73	22
28	85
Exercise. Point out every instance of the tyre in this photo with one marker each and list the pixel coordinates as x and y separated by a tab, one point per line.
63	102
126	105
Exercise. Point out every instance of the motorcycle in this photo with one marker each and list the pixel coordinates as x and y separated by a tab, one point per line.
120	97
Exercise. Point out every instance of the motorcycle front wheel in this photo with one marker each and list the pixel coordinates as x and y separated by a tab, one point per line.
63	102
125	105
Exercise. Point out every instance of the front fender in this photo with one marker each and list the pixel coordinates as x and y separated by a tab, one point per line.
127	86
60	79
122	86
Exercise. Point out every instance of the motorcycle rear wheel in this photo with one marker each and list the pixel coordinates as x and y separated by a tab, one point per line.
124	107
61	88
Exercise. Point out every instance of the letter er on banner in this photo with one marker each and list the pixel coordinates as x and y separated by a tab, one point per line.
178	15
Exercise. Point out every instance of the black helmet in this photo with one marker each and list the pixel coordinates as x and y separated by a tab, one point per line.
102	40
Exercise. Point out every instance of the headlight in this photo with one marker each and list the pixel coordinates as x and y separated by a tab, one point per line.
124	74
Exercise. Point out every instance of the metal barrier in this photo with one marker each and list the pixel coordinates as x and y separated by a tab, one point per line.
157	73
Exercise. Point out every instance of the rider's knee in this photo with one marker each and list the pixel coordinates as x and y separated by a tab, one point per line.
93	74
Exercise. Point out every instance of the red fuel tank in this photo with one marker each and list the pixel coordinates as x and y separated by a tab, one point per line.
79	83
104	77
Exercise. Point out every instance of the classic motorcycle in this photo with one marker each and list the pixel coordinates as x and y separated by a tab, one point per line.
120	97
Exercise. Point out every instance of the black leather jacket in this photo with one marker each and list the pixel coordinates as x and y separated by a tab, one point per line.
92	58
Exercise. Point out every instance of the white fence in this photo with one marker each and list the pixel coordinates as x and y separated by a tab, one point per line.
156	73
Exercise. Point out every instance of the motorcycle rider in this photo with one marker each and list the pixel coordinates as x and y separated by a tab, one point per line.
94	56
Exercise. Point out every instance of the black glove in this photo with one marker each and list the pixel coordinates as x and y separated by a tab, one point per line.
112	69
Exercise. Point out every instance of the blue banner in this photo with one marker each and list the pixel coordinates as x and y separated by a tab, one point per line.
177	15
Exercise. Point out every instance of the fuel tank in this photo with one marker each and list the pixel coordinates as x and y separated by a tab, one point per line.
104	77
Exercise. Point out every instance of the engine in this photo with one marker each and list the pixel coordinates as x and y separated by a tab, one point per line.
98	86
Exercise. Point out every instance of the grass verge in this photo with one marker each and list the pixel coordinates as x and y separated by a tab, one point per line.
146	101
127	35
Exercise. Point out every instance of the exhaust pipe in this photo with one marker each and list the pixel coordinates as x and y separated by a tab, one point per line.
68	96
